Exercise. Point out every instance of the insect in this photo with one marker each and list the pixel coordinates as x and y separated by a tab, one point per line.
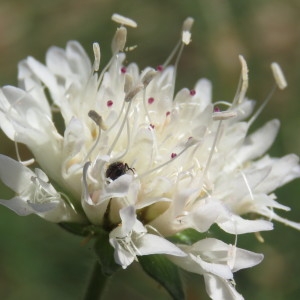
117	169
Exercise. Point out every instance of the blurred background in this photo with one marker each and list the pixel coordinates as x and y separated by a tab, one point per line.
38	259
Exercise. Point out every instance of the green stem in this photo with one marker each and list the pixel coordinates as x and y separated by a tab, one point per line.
96	284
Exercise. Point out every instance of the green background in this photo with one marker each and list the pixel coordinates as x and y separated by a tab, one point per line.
38	259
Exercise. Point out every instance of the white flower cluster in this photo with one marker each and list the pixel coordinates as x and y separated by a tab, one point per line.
142	162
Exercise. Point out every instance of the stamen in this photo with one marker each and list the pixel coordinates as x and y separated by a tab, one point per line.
187	24
186	27
99	122
119	40
123	20
128	83
263	105
223	115
128	143
128	98
97	55
26	162
190	143
247	185
130	48
186	37
259	237
280	82
133	92
212	151
279	76
97	119
243	83
148	77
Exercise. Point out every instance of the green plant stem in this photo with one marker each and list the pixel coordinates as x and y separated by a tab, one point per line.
96	284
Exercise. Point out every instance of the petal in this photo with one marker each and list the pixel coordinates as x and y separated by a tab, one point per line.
14	175
117	188
244	259
128	218
220	289
19	205
238	225
258	142
153	244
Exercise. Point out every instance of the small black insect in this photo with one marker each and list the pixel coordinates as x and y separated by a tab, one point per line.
117	169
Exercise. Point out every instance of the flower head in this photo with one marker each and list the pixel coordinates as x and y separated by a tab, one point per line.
134	157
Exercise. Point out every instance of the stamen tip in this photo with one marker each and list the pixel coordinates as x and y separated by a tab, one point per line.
244	68
96	49
187	24
278	76
186	37
123	20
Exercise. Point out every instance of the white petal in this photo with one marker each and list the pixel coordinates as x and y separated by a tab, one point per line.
14	174
18	205
238	225
122	257
204	215
153	244
245	259
128	218
220	289
117	188
257	143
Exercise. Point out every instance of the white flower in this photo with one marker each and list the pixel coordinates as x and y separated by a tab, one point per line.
131	239
133	156
217	261
34	193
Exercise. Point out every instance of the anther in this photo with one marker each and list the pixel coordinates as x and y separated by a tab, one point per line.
133	92
128	83
97	119
243	83
186	37
187	24
224	115
148	77
96	49
123	20
278	76
119	40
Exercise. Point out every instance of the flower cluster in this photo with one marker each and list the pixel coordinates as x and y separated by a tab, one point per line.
142	162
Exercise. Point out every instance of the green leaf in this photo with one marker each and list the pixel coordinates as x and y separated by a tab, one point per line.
105	254
165	272
187	237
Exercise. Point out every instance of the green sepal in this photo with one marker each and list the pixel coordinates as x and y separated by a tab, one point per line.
187	237
81	229
165	272
105	254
